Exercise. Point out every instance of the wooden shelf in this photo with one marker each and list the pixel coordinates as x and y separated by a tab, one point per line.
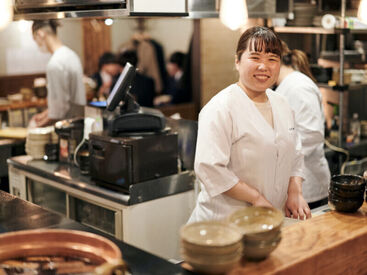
351	86
310	30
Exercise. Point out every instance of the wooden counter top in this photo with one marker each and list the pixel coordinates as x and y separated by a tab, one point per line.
332	243
39	102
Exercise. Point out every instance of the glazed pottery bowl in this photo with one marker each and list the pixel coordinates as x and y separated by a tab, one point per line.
346	194
208	267
209	250
211	234
211	246
257	251
348	182
344	205
258	223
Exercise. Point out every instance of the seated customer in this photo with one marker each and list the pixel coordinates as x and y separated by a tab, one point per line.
143	88
175	91
108	69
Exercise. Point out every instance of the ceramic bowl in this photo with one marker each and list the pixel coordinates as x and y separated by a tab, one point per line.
200	249
348	182
346	194
260	251
190	256
344	205
210	233
214	268
258	223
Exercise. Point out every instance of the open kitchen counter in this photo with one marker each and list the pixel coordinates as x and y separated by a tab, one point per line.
17	214
331	243
147	216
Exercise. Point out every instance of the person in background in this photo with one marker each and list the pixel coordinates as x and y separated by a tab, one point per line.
175	91
297	84
143	87
108	69
248	151
64	73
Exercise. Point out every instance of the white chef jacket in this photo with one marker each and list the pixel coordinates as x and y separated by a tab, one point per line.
65	87
305	99
234	143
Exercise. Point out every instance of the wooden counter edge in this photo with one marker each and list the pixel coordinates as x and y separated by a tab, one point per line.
332	243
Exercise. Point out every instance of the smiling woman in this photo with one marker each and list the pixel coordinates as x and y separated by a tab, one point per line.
248	152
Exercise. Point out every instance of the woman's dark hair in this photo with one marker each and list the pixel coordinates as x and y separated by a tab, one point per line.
51	24
297	59
107	58
259	39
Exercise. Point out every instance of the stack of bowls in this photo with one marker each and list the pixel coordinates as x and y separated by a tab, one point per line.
346	192
211	247
260	227
37	139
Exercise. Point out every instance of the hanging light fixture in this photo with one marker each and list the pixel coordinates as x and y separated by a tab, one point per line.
362	11
233	13
6	13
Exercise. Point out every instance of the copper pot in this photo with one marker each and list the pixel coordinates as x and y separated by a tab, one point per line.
98	250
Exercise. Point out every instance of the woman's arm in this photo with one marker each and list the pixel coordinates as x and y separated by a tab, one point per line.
244	192
296	206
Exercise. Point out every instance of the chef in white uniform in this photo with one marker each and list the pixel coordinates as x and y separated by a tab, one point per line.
248	152
65	89
296	83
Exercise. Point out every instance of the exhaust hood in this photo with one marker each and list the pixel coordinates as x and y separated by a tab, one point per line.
255	8
59	9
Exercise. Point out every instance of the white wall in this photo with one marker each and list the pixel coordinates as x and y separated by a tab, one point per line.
174	34
19	53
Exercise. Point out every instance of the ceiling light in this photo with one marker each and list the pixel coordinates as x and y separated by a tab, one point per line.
6	13
362	11
233	13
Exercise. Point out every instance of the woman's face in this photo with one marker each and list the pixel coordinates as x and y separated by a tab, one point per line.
258	70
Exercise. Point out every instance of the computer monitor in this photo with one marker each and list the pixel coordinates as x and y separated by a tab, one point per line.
121	88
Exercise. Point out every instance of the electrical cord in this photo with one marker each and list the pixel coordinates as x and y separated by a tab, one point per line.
339	150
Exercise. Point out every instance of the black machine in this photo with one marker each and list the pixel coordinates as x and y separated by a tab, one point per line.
136	146
131	117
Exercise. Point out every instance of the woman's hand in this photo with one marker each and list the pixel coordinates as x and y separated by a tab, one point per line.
244	192
261	201
296	206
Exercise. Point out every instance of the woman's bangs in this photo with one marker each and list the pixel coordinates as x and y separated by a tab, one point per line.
266	44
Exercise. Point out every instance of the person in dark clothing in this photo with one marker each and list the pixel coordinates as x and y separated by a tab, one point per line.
143	87
175	91
108	69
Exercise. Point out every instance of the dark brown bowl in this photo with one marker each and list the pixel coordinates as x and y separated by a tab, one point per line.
344	205
348	182
346	194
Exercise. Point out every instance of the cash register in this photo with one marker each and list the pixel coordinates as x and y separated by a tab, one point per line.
136	146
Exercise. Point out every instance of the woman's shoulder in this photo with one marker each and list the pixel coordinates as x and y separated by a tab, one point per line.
223	99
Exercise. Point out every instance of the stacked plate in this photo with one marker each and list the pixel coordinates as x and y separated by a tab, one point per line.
346	192
36	140
260	227
211	247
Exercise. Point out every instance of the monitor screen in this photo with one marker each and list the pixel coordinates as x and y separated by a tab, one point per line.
121	87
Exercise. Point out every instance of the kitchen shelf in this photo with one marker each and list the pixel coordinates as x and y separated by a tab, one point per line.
351	86
314	30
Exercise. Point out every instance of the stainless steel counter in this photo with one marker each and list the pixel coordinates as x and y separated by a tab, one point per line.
70	175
